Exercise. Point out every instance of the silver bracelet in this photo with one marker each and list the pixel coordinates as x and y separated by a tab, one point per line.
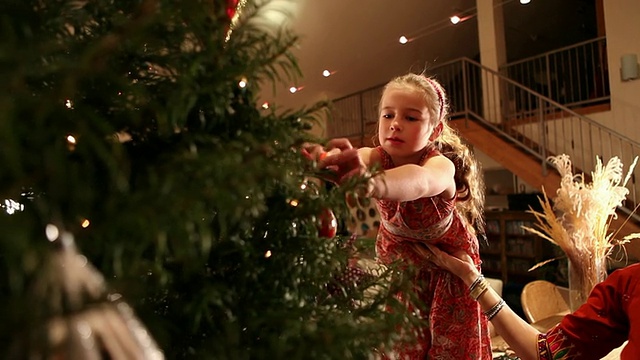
495	309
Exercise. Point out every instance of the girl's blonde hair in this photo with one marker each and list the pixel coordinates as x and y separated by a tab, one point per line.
468	177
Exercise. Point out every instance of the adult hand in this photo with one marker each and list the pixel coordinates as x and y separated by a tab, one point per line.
459	263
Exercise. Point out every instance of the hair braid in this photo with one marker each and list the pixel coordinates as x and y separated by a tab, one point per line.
468	177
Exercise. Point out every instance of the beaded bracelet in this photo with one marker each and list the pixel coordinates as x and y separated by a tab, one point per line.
495	309
479	289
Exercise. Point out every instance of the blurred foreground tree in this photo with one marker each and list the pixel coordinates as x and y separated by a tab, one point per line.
123	123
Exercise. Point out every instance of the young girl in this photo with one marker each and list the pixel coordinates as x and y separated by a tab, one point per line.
429	191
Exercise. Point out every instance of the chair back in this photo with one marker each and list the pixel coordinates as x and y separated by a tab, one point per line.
541	299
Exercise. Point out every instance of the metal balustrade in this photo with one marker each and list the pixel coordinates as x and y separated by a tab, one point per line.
573	76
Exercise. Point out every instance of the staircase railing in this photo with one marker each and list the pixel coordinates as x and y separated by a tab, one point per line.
533	122
574	76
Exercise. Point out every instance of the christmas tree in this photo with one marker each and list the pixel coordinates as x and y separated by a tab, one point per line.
132	128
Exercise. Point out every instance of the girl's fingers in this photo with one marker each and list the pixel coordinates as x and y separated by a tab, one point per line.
339	143
345	157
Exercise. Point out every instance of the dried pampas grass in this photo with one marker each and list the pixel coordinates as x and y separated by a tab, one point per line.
579	219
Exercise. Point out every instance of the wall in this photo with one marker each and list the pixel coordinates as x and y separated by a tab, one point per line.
623	33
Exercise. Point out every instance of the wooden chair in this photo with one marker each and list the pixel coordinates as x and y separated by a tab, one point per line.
541	300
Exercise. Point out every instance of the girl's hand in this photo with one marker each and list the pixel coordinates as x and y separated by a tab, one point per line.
460	263
317	152
312	151
345	162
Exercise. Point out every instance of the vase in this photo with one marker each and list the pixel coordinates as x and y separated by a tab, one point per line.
584	274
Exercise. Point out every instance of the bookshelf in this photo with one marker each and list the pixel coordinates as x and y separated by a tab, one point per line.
510	251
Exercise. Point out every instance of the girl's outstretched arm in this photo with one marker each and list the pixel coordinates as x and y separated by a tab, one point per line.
403	183
410	182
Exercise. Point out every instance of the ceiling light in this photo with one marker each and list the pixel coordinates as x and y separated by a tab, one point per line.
403	39
293	89
326	73
454	19
524	2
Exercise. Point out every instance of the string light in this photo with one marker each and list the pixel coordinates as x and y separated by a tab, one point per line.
11	206
462	16
71	139
52	232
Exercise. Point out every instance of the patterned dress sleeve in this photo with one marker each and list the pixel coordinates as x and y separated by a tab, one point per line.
598	326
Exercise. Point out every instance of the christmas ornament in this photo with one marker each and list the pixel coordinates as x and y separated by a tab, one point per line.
86	322
231	8
328	226
234	10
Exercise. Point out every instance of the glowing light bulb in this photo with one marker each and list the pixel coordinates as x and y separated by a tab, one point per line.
265	105
85	223
293	89
455	19
52	232
525	2
71	139
403	40
243	83
326	73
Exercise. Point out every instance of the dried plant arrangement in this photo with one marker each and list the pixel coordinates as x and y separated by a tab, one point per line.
578	221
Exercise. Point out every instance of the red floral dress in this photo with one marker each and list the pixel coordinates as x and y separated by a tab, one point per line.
610	316
457	328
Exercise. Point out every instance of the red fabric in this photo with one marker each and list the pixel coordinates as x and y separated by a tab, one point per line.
457	327
610	316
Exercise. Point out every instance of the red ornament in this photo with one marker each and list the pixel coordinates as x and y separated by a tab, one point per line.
328	226
232	6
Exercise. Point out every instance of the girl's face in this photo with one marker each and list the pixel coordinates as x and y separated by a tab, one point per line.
405	126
